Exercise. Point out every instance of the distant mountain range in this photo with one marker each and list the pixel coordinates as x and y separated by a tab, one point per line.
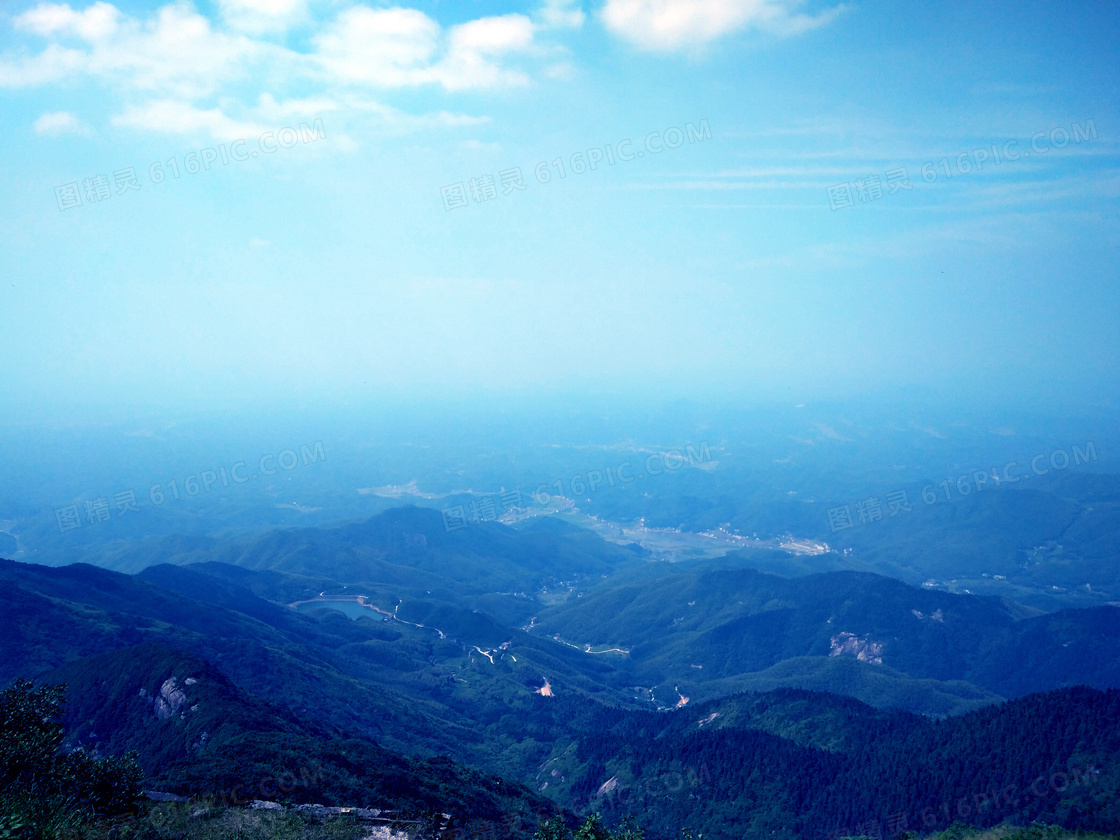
542	655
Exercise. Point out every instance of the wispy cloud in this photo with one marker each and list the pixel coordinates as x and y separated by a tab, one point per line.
260	17
60	122
674	25
174	117
560	14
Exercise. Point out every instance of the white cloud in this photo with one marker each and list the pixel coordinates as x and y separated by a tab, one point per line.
95	23
176	70
474	51
401	48
561	14
669	25
174	117
179	53
437	119
562	70
51	65
493	35
170	116
381	47
397	121
260	17
312	107
176	52
60	122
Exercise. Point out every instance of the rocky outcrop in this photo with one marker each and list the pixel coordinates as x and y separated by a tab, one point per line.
170	699
935	616
863	649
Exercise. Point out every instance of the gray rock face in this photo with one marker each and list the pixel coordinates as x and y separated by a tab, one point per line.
863	649
170	699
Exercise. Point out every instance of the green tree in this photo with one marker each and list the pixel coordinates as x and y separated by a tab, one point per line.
553	829
629	830
592	829
45	792
30	734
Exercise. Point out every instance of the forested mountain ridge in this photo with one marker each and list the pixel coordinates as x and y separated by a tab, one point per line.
567	685
696	625
1048	757
196	733
788	763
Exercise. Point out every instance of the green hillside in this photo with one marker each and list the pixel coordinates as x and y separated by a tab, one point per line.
608	689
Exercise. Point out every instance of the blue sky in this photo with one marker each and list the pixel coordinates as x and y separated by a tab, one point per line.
777	249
